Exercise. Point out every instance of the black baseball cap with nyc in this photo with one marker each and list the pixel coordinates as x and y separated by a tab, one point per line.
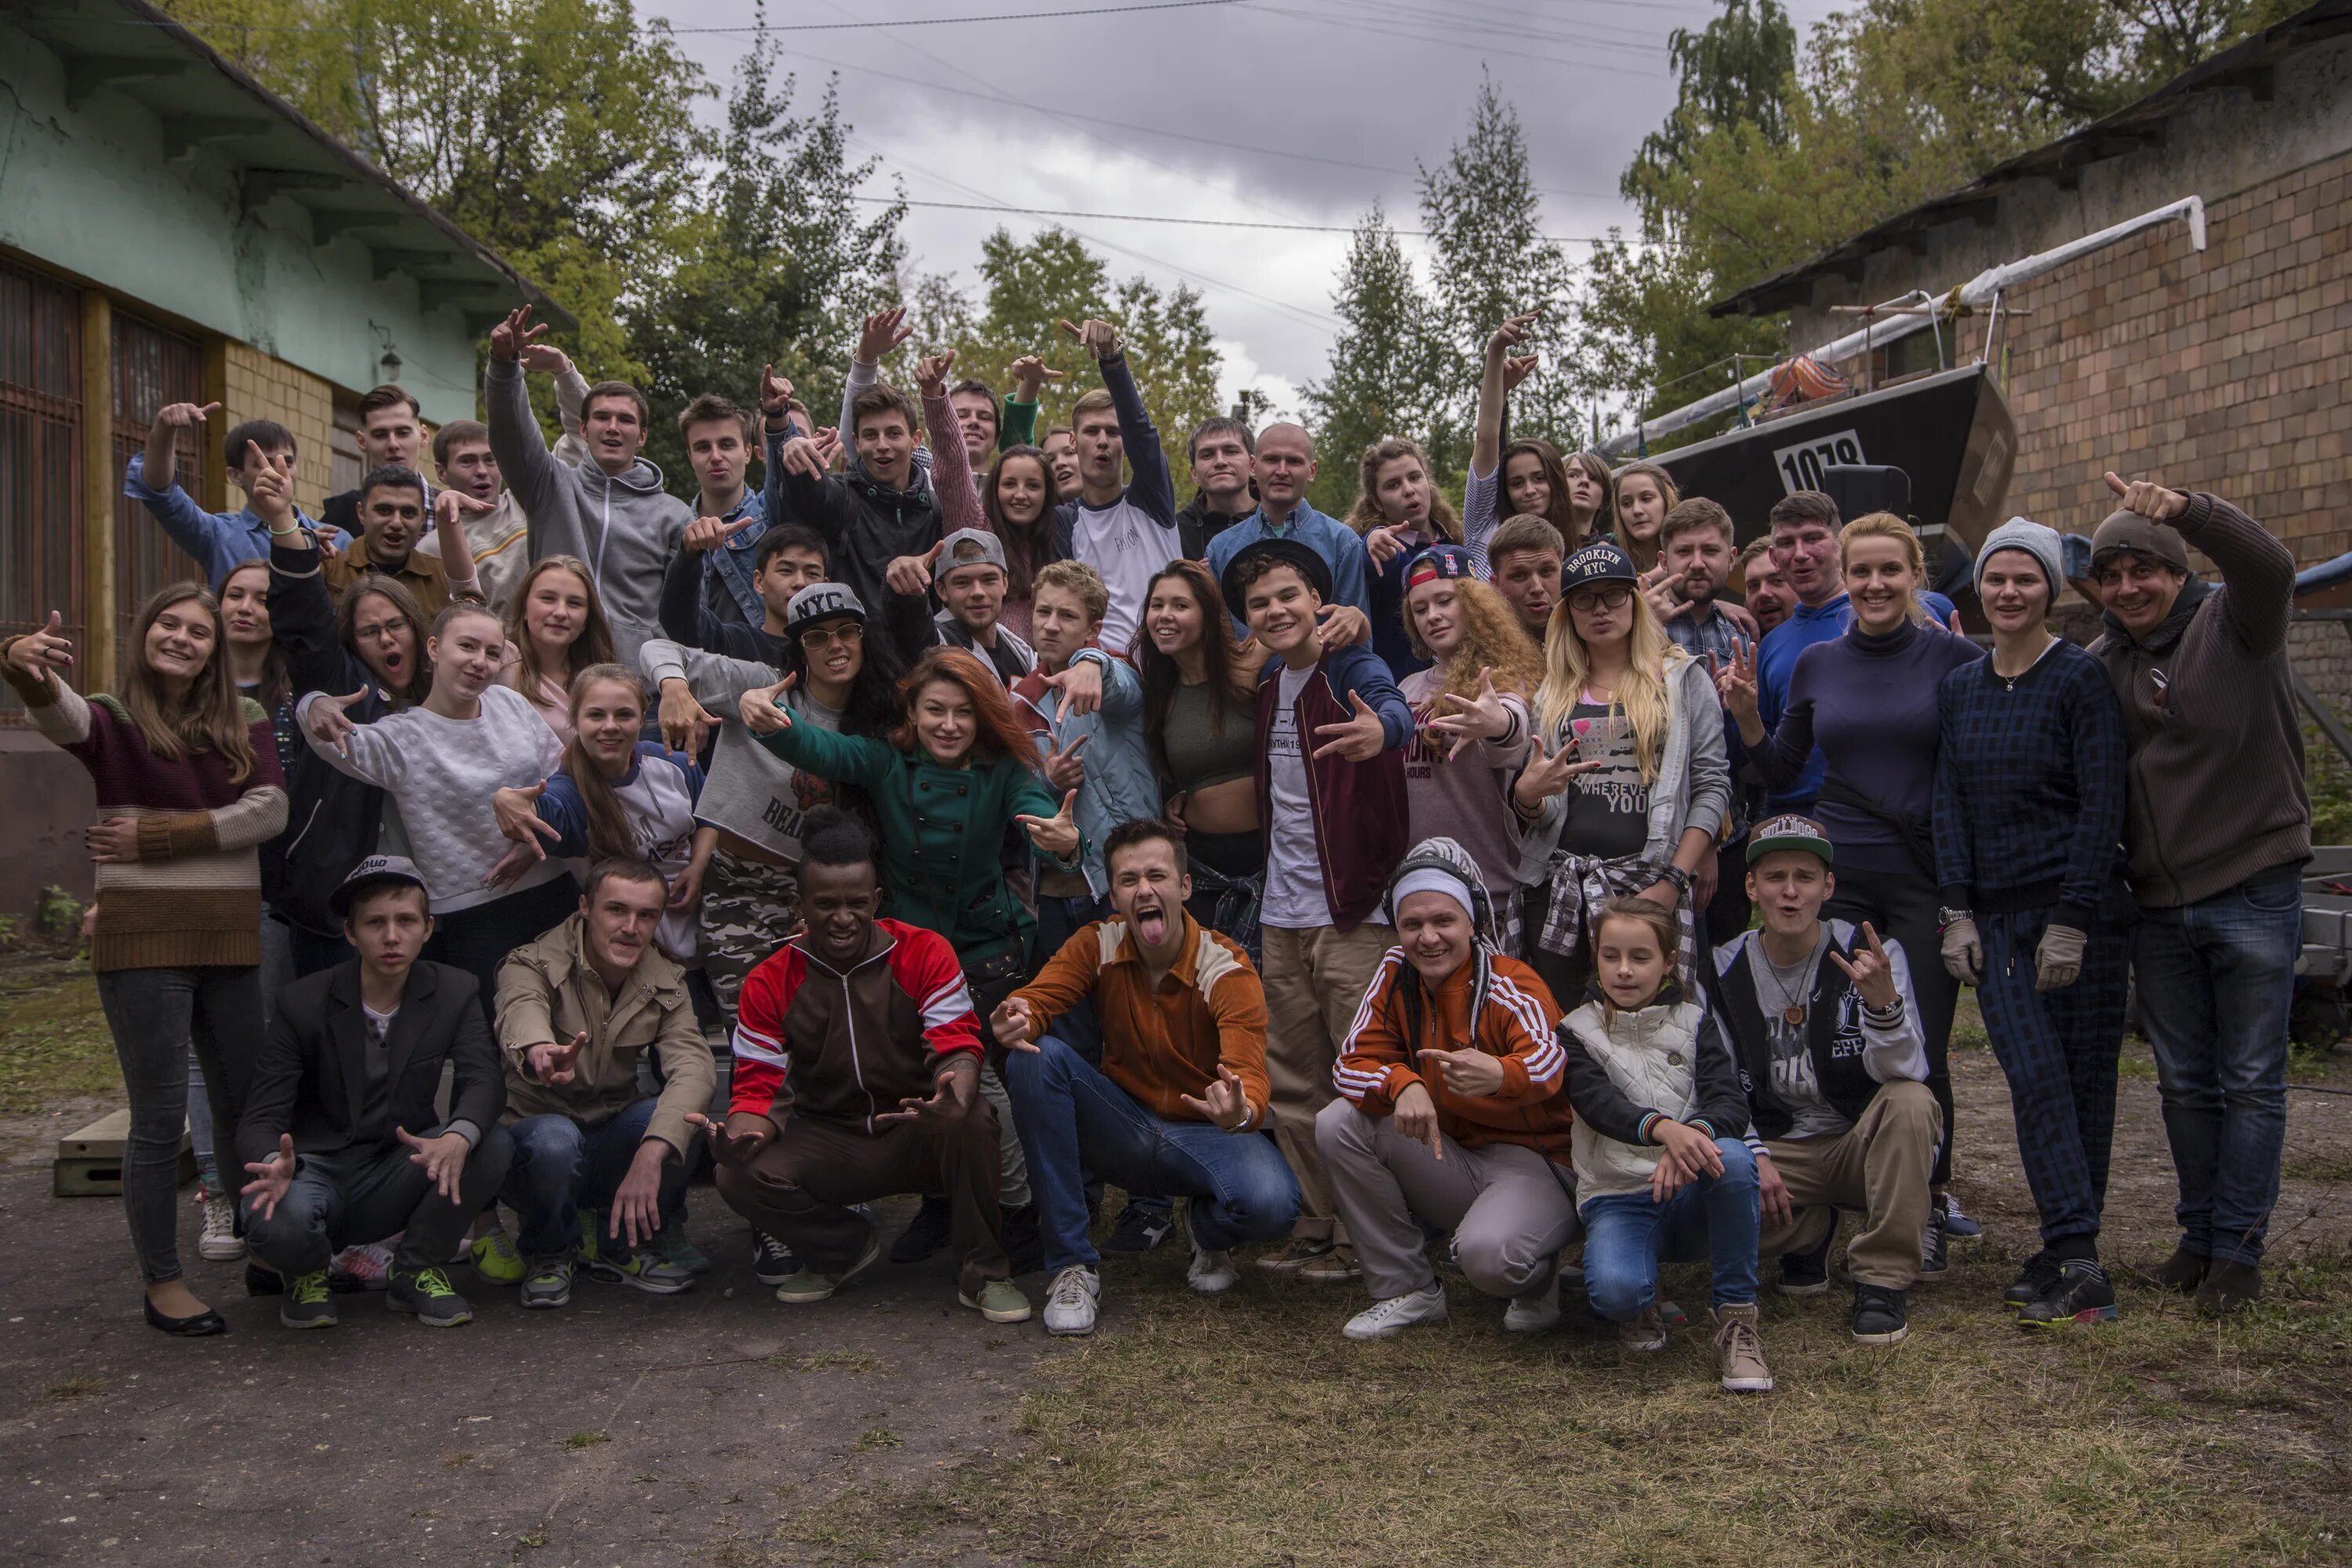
1599	561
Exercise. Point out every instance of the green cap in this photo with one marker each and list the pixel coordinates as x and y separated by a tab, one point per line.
1790	832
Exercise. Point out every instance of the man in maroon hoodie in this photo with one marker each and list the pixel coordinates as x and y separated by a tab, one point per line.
1332	728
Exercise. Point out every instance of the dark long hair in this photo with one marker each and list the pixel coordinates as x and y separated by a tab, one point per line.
997	732
276	687
1230	676
347	615
1028	547
873	708
1559	513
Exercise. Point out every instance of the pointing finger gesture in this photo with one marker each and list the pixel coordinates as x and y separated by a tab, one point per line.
1055	836
2148	497
762	708
1358	738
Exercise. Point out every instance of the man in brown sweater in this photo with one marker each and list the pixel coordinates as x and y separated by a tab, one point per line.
2217	829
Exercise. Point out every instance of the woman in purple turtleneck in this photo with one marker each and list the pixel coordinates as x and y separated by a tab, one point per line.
1868	700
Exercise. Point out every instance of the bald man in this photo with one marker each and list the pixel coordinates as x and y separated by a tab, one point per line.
1283	467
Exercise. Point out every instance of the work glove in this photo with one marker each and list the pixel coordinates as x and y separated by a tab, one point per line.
2059	959
1963	951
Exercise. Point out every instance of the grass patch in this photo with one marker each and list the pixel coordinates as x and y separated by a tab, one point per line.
830	1360
579	1440
1968	1023
53	1044
81	1387
879	1437
2137	1061
2335	1166
1243	1428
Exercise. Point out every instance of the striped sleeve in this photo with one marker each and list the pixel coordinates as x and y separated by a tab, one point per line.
1527	1028
927	967
1372	1067
761	1081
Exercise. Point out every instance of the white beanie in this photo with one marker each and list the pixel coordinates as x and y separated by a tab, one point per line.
1432	879
2035	540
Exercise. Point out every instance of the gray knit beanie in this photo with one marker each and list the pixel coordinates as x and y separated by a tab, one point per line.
2035	540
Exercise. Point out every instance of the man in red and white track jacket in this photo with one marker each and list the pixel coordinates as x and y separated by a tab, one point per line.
857	1077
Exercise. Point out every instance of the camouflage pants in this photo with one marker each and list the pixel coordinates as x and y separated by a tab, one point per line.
748	909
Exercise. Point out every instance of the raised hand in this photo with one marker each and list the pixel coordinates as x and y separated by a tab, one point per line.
271	1177
1014	1024
884	330
1734	683
1029	375
1223	1101
1055	836
1483	717
1547	773
1341	625
931	373
113	842
1516	332
511	336
685	722
517	810
1100	339
552	1063
1518	368
45	651
545	359
912	573
2148	497
1358	739
1416	1117
775	393
329	719
811	456
1873	975
443	1158
184	416
1080	684
1658	587
732	1147
710	533
1466	1072
1064	769
1383	546
762	708
450	507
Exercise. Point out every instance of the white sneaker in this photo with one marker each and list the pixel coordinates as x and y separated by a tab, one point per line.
1071	1304
1535	1311
220	1241
1384	1319
1213	1272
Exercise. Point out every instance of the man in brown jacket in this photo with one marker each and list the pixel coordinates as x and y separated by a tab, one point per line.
578	1011
2217	829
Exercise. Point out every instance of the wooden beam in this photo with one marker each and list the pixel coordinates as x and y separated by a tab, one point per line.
184	134
98	489
87	76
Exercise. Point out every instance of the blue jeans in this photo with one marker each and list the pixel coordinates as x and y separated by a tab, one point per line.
562	1166
2216	981
353	1196
1717	1218
1073	1118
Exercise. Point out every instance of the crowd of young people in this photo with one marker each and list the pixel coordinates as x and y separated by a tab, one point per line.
1551	878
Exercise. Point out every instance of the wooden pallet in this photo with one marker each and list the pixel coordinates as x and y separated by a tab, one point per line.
89	1162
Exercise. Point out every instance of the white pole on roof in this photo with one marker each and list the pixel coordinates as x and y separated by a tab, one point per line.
1976	293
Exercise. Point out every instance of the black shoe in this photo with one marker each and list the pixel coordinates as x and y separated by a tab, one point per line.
925	1233
1140	1229
1934	1243
1024	1246
2180	1273
262	1280
2080	1294
197	1326
772	1262
1879	1318
1808	1273
2229	1288
2040	1273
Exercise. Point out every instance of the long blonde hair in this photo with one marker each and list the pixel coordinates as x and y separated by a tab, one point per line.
210	717
1886	525
1366	515
593	646
1652	657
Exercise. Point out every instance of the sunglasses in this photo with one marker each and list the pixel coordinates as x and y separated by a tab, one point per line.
847	632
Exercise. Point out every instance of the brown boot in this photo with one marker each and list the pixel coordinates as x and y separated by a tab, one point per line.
1738	1352
2229	1288
2181	1273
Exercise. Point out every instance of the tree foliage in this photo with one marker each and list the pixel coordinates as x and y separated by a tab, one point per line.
1386	368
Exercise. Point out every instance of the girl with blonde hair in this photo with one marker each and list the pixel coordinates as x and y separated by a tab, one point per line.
1626	789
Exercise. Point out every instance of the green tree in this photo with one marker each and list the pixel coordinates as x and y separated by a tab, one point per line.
1386	362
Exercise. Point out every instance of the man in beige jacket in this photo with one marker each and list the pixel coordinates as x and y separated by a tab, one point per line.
578	1011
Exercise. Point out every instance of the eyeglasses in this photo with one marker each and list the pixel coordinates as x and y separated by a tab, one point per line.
1607	596
847	634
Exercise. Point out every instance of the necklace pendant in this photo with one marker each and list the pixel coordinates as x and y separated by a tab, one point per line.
1792	1013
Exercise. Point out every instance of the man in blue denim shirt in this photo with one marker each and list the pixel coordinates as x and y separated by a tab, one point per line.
1284	467
220	541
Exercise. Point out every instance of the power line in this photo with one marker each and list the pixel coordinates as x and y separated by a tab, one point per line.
707	32
1191	222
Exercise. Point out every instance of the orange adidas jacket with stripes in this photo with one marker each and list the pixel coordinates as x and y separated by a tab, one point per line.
1518	1022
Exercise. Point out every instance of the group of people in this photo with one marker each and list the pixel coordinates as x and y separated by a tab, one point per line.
1548	881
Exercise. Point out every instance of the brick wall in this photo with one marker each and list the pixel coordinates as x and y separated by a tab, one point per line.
259	387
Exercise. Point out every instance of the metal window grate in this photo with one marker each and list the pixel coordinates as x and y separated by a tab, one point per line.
153	366
41	564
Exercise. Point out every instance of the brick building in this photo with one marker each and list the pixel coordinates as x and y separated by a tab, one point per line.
170	231
2224	369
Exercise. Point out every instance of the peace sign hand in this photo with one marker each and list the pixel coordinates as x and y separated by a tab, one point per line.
509	337
1547	773
1483	717
1734	683
1055	836
1064	769
40	652
1873	975
552	1063
762	708
931	373
1224	1102
2148	497
1358	739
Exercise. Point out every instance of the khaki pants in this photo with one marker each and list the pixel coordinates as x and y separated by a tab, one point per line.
1879	1166
1509	1212
1315	981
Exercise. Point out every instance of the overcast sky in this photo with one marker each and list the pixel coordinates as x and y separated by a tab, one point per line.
1278	111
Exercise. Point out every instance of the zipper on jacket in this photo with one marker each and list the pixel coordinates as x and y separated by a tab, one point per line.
856	1067
308	823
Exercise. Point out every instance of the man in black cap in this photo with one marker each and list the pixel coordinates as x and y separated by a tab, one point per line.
339	1134
2216	830
1332	728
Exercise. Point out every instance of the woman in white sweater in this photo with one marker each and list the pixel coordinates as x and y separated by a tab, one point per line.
443	762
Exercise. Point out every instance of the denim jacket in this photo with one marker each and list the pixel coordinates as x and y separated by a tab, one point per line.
1120	783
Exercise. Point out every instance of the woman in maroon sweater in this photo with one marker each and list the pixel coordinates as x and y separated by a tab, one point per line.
186	775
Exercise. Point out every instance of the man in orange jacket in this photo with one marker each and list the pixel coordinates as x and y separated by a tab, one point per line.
1452	1110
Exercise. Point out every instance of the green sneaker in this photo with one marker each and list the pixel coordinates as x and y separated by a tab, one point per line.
1000	1301
808	1284
618	1263
497	1260
427	1293
308	1303
669	1245
549	1283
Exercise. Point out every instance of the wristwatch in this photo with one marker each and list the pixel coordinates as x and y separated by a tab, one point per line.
1679	878
1947	919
